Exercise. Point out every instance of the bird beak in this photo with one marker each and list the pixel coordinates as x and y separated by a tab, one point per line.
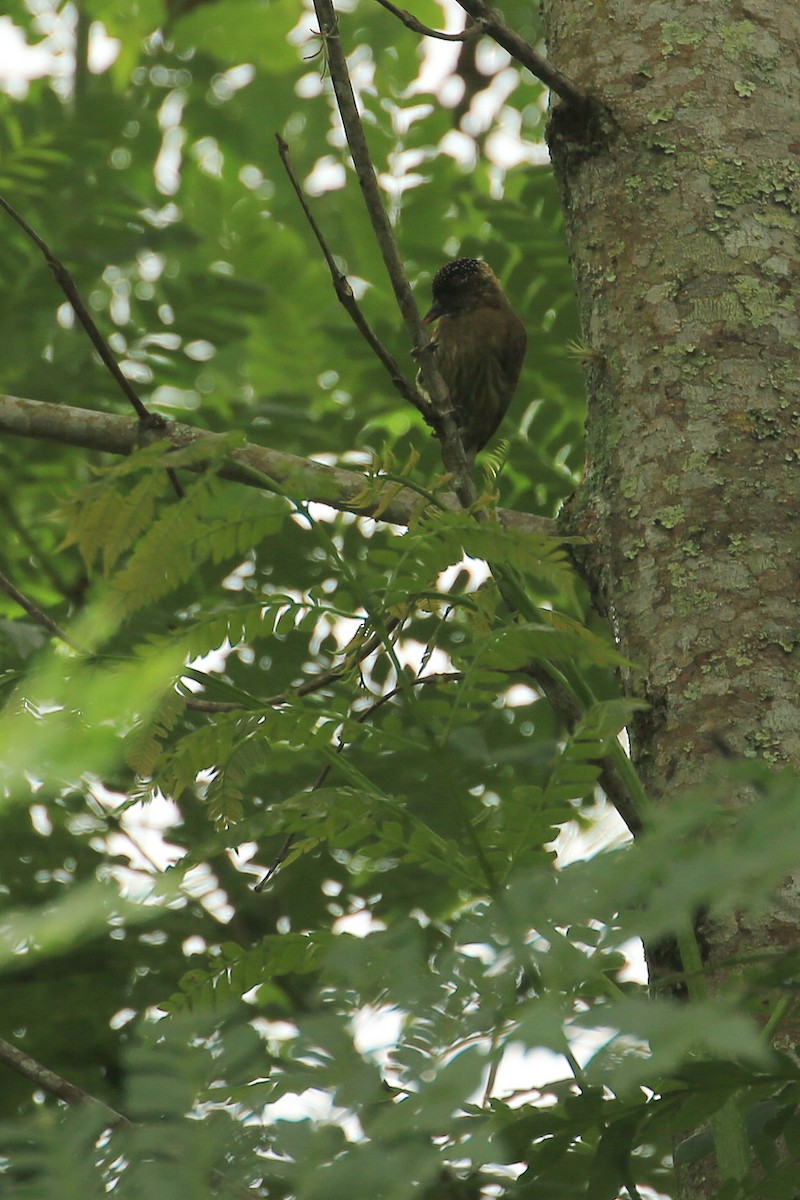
432	314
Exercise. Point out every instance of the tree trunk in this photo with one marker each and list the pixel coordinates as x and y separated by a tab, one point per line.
682	220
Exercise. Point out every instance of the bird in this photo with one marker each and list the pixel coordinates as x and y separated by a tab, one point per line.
479	346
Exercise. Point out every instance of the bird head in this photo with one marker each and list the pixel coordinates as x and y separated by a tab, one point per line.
460	286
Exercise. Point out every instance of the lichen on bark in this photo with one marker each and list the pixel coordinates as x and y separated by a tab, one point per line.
684	236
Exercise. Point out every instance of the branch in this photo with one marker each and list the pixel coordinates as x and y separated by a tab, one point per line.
420	681
31	609
448	430
67	284
48	1081
40	558
344	292
341	489
525	54
410	21
42	1077
304	689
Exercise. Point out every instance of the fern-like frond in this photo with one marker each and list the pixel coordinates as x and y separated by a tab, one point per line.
144	743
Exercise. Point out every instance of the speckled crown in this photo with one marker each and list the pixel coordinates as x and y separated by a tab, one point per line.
454	273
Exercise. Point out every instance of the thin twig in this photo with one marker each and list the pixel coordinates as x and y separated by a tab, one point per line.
411	22
43	560
344	292
67	285
193	704
42	1077
65	281
41	618
48	1081
525	54
447	427
304	689
420	681
80	75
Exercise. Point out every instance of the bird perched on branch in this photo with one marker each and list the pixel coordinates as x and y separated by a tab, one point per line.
479	347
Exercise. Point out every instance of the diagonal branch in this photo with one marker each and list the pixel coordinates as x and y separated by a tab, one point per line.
525	54
41	618
448	430
42	1077
67	284
345	295
416	26
36	554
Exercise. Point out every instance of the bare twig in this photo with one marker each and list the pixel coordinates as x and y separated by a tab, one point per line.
411	22
304	689
345	295
525	54
65	281
67	285
214	706
43	560
41	618
420	681
42	1077
340	488
447	427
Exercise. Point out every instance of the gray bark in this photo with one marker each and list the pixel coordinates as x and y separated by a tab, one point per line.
682	219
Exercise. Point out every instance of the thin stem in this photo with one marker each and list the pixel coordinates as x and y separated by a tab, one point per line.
65	281
42	1077
420	681
447	427
344	292
42	560
416	26
67	285
48	1081
81	73
525	54
41	618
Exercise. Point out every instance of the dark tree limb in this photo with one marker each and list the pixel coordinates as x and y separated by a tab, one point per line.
43	560
48	1081
67	285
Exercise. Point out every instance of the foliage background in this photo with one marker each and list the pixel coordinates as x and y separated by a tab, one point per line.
419	901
